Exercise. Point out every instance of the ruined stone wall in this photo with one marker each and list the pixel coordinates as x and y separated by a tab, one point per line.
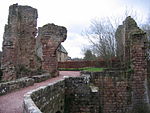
80	96
23	53
46	99
100	92
69	95
135	50
7	87
129	25
114	91
49	38
119	35
139	65
19	40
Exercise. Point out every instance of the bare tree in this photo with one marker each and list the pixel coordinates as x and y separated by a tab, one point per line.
101	34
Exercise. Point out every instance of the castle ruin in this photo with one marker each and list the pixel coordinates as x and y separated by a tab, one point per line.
23	53
110	91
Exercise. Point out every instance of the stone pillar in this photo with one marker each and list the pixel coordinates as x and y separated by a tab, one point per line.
49	38
135	49
120	41
139	66
19	40
129	25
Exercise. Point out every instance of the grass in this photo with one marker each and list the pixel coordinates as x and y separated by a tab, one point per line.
91	69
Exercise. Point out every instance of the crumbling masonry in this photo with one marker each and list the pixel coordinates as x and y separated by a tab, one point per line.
48	40
110	91
113	91
20	48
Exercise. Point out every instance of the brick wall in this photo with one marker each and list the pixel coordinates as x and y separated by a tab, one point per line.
22	51
70	95
81	64
79	96
10	86
139	65
114	91
49	38
98	92
19	40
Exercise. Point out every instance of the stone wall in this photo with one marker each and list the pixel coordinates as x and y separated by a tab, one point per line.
111	91
24	54
49	38
46	99
114	91
82	64
120	42
19	40
135	59
70	95
40	78
80	97
139	65
101	92
135	56
10	86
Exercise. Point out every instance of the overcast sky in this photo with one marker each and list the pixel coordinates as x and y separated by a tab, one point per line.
75	15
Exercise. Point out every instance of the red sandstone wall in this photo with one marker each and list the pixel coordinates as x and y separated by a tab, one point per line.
115	91
49	38
81	64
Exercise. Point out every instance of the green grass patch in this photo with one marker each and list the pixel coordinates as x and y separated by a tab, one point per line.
91	69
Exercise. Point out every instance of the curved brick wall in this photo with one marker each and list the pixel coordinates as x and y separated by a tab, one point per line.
93	92
69	95
90	93
46	99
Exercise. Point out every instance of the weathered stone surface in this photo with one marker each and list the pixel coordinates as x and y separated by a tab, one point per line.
23	54
69	95
135	50
40	78
79	96
8	87
19	40
114	90
46	99
139	65
107	92
49	38
120	42
129	26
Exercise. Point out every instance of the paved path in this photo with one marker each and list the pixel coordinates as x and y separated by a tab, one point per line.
12	102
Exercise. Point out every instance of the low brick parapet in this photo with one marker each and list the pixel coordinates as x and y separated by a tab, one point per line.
45	99
57	97
40	78
7	87
10	86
